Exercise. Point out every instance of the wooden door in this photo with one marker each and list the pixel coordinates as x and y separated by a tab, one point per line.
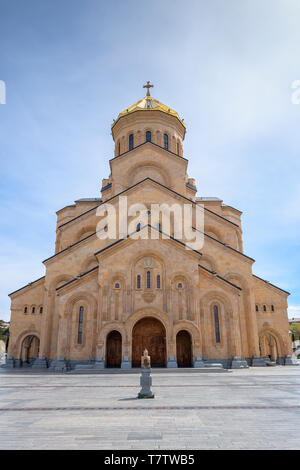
149	334
114	349
184	349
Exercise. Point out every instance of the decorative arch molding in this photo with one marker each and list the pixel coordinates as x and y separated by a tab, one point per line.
149	254
149	312
241	280
190	327
108	328
216	296
213	232
89	263
17	350
142	166
84	232
209	262
181	275
84	296
277	337
59	280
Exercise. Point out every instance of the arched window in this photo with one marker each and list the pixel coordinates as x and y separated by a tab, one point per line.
131	142
33	310
148	136
41	309
158	281
264	308
117	285
80	325
256	308
148	280
179	285
217	325
138	281
166	141
25	309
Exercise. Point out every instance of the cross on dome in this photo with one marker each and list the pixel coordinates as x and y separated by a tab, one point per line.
148	86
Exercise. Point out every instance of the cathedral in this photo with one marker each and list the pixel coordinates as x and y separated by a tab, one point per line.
104	299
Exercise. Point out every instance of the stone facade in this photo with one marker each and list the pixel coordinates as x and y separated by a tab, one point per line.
201	306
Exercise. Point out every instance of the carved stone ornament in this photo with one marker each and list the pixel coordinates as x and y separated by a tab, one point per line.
148	297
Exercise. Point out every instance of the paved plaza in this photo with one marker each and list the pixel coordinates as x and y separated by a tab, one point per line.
258	408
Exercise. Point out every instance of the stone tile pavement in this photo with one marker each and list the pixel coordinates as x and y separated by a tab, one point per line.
256	408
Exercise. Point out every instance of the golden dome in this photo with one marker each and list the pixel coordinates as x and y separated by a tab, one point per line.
148	103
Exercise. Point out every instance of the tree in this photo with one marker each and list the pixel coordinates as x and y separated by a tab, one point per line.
295	329
4	332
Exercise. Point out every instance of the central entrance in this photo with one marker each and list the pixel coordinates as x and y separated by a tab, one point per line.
149	333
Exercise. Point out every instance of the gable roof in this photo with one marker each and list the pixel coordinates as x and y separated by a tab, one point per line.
159	184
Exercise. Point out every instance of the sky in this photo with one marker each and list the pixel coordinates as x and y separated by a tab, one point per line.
226	66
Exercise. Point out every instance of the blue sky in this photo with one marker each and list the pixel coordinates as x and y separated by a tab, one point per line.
226	66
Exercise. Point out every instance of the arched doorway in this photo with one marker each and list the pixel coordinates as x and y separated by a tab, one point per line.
149	333
184	349
114	349
268	346
30	349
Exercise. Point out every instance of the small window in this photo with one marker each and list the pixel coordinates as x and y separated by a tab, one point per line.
148	136
119	149
217	324
177	149
138	281
256	308
41	309
264	308
166	141
179	285
33	310
25	310
158	281
148	280
138	227
80	324
131	142
272	308
117	285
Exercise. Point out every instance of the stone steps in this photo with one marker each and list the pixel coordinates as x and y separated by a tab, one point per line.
179	370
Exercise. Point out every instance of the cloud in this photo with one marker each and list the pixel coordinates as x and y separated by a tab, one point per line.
294	311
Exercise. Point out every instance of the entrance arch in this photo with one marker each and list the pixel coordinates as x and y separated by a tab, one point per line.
268	346
184	349
30	348
114	349
149	333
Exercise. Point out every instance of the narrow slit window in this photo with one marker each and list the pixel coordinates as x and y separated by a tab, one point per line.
166	141
272	308
138	281
158	281
33	310
256	308
148	136
80	325
264	308
41	309
25	309
131	142
148	280
217	324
